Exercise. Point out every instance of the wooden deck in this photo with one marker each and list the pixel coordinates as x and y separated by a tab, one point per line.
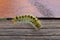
50	30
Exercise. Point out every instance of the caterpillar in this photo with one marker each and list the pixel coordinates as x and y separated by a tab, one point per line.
28	19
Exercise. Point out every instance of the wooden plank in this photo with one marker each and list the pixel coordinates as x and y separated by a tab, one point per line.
29	32
10	38
46	24
50	30
29	37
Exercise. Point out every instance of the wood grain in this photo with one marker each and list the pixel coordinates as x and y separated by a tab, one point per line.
29	37
50	30
29	32
46	24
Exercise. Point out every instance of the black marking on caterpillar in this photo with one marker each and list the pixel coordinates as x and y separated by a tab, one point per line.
29	19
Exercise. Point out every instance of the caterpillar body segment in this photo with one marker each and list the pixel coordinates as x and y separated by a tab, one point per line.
28	19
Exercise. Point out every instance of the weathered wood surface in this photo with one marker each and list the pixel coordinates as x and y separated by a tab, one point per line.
50	30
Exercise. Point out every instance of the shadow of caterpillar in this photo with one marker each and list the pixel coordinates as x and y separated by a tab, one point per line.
28	19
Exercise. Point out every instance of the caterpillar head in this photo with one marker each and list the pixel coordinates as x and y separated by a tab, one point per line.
29	19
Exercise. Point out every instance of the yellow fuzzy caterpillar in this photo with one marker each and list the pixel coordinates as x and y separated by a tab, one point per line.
28	18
